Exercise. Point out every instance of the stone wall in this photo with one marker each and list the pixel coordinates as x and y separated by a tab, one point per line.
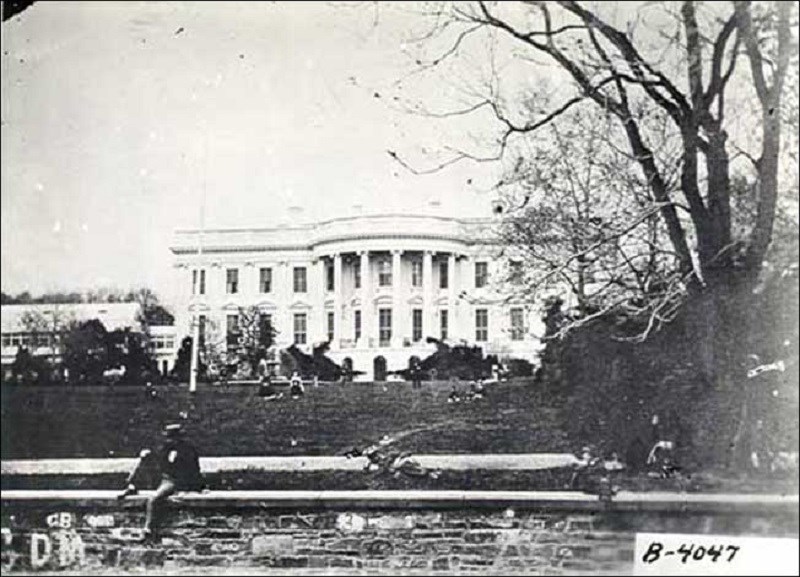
104	536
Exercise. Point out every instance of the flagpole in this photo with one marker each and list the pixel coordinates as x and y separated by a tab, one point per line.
201	281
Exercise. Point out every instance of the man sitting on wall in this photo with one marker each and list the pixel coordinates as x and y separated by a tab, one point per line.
179	467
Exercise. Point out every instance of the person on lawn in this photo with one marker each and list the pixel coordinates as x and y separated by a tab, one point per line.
177	463
296	388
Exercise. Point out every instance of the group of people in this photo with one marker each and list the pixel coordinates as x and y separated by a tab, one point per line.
269	392
477	390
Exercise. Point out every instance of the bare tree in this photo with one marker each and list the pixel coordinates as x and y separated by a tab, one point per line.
582	222
677	75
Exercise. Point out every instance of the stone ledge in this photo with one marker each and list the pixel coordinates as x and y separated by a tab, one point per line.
661	502
507	462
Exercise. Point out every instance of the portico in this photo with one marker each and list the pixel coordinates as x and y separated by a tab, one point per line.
372	296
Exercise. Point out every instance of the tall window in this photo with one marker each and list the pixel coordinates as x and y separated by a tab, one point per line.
384	273
201	273
265	330
300	328
443	324
357	274
517	324
329	277
443	274
481	325
416	273
515	271
416	325
357	322
481	274
330	326
300	281
232	281
232	331
384	327
265	280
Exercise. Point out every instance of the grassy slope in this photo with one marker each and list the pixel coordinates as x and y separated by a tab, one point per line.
100	421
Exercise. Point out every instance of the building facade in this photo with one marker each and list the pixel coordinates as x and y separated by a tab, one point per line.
374	286
53	319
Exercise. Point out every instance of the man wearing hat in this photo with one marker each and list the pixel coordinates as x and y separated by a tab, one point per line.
179	468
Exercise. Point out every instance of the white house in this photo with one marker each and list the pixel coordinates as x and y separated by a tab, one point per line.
375	286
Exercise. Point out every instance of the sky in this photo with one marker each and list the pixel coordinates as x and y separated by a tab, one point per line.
119	118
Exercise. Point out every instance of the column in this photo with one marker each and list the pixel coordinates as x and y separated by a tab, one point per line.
284	292
367	312
428	326
398	301
452	298
318	303
338	295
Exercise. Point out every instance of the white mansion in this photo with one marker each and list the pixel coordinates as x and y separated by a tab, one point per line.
375	286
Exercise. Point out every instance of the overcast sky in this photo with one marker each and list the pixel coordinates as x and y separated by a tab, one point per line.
116	117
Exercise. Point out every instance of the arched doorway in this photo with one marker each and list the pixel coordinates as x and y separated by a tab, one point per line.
379	368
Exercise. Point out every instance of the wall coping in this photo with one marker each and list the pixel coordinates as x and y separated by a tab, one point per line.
463	462
625	501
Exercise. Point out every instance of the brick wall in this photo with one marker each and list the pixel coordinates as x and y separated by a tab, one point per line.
104	537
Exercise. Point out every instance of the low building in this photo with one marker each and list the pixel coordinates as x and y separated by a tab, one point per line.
37	326
374	286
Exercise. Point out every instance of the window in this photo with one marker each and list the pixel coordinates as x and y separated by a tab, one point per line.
357	274
384	273
443	324
384	327
481	274
202	274
6	340
300	284
481	325
515	271
300	327
163	343
416	273
357	322
265	280
329	277
443	274
232	330
517	324
232	281
416	325
265	330
330	327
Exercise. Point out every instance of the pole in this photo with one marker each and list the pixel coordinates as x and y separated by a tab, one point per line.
195	317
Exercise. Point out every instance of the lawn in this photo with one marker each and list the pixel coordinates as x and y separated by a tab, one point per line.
63	422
